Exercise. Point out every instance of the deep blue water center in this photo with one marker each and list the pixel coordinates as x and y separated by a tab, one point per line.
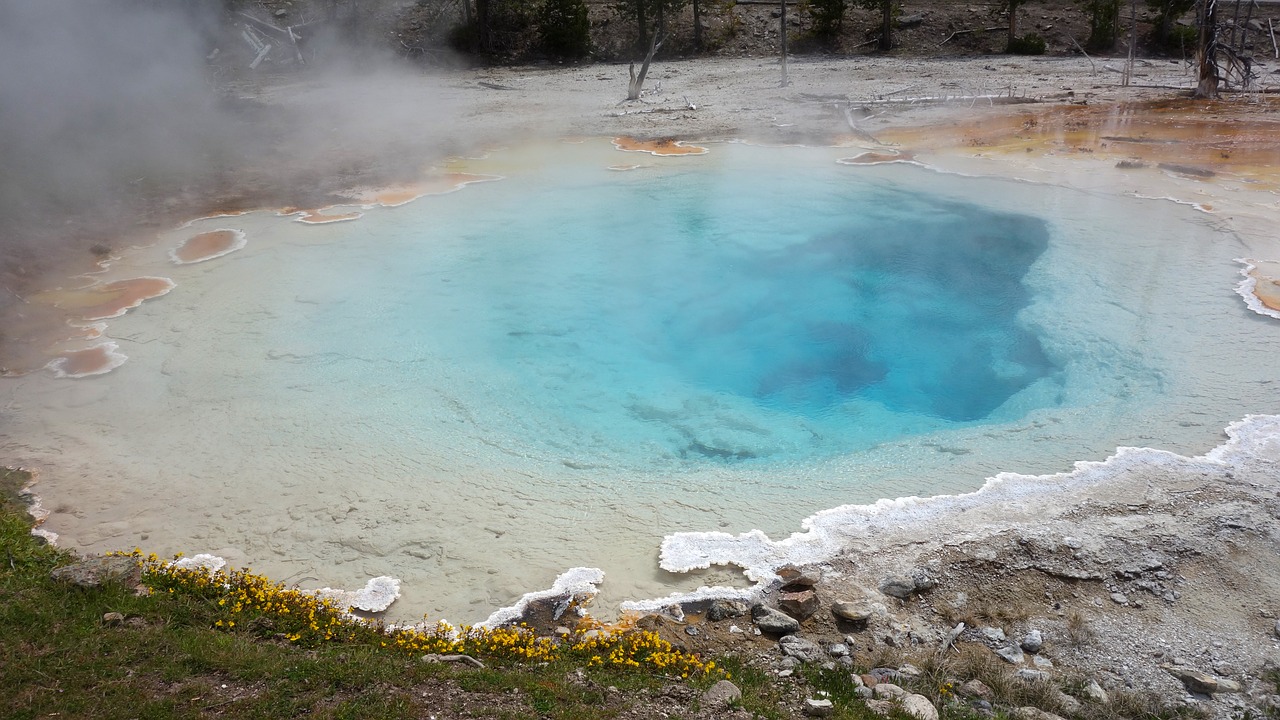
707	310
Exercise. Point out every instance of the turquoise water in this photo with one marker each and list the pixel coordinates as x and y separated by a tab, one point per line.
476	391
689	317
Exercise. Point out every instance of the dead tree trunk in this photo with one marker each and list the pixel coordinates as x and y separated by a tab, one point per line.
637	80
697	26
1207	49
782	38
886	24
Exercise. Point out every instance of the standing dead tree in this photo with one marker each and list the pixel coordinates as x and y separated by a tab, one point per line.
637	79
1220	63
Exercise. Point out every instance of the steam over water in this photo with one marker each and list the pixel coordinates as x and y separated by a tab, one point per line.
477	390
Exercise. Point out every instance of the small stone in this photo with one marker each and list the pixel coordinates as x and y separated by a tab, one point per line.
793	576
888	691
818	707
692	631
1011	654
851	612
281	13
1042	662
1228	686
898	586
735	630
1032	642
1033	676
884	674
135	622
919	707
724	609
113	618
864	692
800	605
786	672
1094	692
802	649
869	680
1119	598
772	621
974	689
845	662
1277	628
721	695
837	650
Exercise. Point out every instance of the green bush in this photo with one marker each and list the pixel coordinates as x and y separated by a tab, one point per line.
827	15
1183	37
1029	44
1104	23
564	28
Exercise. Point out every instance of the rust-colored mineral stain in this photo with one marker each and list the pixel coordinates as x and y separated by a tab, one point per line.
1197	140
107	300
396	195
1266	287
208	245
665	146
91	361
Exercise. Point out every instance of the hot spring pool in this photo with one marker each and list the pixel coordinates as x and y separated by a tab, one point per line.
479	389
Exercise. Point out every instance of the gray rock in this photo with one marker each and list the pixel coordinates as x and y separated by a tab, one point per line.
802	649
993	634
838	650
923	581
800	605
1119	598
851	612
845	662
724	609
910	21
1042	662
1228	686
883	708
818	707
1032	676
112	618
1011	654
884	674
864	692
1033	713
1094	692
898	586
1194	680
909	671
888	691
96	571
1032	642
1069	705
974	689
793	576
1277	628
919	707
721	695
773	621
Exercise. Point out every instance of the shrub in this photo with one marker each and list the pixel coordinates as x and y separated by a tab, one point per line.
1104	23
1029	44
564	28
828	16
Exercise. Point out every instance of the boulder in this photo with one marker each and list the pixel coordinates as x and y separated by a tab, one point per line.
1011	654
95	571
1032	642
1195	681
851	612
721	695
818	707
974	689
802	649
773	621
888	691
1094	692
1033	713
883	708
723	609
898	586
794	577
800	605
919	707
